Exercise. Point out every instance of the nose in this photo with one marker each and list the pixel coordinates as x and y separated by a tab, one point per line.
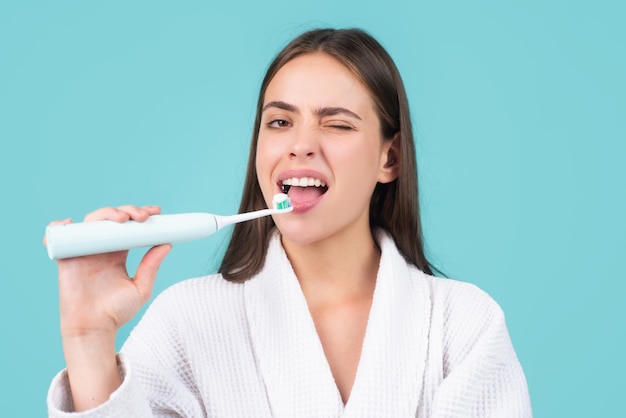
305	145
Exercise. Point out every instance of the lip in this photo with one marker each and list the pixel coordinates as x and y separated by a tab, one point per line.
301	207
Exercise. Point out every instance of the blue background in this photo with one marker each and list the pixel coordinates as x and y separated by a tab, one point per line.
519	109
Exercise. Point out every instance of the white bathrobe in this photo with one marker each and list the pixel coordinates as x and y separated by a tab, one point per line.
207	347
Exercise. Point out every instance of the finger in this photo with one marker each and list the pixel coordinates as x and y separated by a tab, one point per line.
123	213
108	213
60	222
148	268
135	213
153	210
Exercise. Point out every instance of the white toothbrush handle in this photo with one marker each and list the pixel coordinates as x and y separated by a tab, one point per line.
86	238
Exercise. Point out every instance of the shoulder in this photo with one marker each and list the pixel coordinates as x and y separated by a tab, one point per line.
463	307
199	288
455	299
467	320
196	300
462	298
187	310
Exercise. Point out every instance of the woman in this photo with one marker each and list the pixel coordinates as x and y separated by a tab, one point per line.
328	311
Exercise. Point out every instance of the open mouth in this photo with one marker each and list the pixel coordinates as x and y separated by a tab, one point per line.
303	189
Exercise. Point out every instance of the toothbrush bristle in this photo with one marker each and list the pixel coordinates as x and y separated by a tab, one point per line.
281	201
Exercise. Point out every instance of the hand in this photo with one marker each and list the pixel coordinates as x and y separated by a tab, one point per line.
96	294
96	298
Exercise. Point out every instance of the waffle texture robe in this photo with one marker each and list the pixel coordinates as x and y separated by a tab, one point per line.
207	347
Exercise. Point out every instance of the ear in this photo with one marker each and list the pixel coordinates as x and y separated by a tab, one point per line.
390	160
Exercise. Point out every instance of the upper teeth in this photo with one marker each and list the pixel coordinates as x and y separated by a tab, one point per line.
303	182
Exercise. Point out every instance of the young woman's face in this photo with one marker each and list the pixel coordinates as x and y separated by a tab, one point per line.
320	139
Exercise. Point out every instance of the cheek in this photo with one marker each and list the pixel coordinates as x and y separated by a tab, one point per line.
264	163
260	165
356	160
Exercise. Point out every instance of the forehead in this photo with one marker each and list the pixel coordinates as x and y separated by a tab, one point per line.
317	79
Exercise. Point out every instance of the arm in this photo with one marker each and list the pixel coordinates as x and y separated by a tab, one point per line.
127	400
96	298
156	380
482	375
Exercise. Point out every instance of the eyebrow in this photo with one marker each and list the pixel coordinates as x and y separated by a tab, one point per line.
322	111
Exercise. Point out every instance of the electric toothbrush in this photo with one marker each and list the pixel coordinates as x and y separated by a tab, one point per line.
86	238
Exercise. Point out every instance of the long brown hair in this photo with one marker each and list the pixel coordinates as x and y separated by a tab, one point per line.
394	206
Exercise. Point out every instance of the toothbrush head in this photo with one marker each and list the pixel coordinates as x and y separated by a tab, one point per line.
282	202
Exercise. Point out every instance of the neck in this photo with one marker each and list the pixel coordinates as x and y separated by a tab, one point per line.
336	268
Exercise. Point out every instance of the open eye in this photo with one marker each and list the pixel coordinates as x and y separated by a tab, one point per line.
278	123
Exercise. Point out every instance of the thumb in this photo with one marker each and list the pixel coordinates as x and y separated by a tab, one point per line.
148	268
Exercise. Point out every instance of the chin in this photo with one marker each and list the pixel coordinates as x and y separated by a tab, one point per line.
299	234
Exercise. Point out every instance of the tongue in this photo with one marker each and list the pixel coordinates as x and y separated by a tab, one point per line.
304	194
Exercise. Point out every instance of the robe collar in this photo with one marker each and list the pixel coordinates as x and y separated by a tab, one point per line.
290	356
